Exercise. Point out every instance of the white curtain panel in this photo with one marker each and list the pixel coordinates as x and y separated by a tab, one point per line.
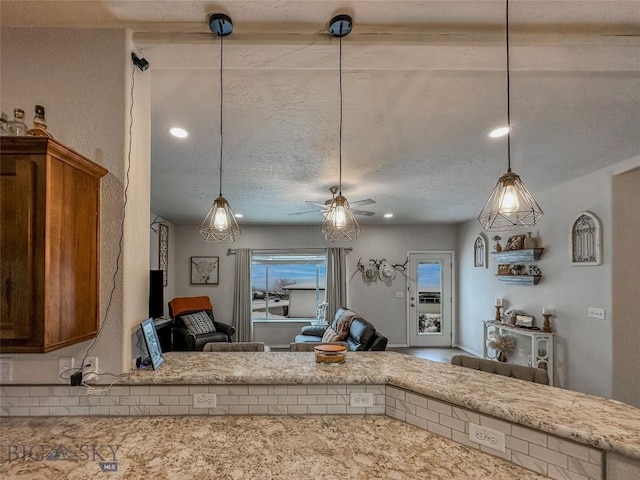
242	296
336	280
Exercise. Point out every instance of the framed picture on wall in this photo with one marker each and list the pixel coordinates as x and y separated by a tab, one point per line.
204	270
504	269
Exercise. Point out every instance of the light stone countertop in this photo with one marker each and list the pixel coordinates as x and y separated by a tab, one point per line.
242	447
595	421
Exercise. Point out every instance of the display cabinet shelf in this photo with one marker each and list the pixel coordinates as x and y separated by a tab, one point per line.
541	344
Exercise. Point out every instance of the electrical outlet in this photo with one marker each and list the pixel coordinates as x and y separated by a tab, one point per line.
596	313
361	399
65	368
487	437
89	369
204	400
5	370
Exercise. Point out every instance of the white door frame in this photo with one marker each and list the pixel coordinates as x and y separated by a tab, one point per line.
454	317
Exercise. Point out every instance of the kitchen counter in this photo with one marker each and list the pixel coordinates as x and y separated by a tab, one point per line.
595	421
240	447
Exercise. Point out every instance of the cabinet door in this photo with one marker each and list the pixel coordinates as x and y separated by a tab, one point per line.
72	255
19	241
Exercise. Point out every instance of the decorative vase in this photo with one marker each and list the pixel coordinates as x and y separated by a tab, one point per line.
502	357
529	241
498	247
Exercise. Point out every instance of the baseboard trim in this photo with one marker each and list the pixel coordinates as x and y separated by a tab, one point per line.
472	352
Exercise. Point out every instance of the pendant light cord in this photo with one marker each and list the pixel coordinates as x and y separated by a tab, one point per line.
340	135
508	95
221	97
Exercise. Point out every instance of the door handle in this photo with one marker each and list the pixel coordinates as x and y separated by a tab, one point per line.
413	304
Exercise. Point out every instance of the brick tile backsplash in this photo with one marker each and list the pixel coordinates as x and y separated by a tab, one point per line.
543	453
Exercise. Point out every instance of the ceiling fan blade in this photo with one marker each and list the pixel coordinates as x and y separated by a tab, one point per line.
319	204
366	201
364	213
306	211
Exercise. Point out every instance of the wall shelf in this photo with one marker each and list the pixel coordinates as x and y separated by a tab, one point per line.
520	279
525	255
516	256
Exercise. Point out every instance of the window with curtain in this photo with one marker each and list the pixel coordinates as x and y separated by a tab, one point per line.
287	284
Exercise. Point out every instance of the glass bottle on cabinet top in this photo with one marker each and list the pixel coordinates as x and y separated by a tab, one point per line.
4	125
17	127
39	121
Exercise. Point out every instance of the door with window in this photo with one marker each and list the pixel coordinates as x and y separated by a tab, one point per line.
429	300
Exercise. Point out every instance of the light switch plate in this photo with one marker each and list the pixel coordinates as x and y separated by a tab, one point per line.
595	312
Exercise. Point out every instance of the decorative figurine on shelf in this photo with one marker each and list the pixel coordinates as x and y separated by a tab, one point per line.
497	247
516	269
533	270
529	241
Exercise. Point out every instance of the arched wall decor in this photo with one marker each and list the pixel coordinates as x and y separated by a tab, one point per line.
586	248
480	252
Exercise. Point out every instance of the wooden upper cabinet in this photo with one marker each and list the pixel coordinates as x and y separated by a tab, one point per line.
49	245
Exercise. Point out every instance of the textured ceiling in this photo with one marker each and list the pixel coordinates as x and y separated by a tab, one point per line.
424	82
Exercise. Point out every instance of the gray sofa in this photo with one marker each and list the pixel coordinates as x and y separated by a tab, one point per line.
530	374
359	334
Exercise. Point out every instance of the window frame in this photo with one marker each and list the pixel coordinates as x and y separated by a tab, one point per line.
288	257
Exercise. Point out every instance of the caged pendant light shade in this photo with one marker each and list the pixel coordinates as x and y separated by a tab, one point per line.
220	225
340	223
510	205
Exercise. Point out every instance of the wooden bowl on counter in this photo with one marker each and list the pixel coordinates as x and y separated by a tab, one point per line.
330	353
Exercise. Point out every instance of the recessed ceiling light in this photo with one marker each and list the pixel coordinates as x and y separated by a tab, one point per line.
238	215
178	132
388	215
499	132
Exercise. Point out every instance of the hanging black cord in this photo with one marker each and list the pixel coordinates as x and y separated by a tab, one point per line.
340	135
508	96
221	92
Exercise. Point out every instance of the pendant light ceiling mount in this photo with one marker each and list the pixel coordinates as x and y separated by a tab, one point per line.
220	225
220	24
340	26
510	205
340	222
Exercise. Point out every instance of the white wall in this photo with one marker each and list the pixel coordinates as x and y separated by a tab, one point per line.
375	302
78	75
583	344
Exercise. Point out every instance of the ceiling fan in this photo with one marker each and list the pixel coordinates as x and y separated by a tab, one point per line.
325	206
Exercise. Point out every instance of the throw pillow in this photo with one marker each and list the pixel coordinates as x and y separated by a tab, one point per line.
198	323
342	324
314	330
330	336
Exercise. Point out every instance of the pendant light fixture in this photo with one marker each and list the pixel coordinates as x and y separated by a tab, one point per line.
220	224
510	205
339	221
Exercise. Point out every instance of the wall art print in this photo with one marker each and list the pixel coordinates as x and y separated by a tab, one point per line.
205	271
